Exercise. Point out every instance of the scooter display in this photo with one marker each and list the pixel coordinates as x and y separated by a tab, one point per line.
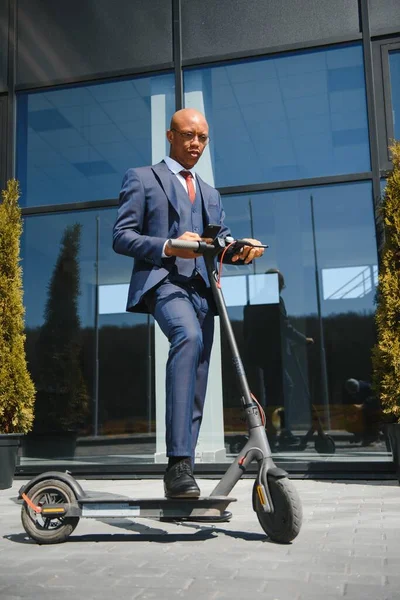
53	502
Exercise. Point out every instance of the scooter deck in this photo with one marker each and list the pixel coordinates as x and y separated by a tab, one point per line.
112	505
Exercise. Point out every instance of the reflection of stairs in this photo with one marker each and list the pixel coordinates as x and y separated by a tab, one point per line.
357	287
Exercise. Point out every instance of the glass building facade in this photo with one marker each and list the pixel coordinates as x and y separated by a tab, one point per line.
299	129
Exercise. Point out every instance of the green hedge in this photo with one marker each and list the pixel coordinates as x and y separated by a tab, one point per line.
386	353
17	392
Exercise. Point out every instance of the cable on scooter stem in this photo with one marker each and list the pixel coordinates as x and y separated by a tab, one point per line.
260	408
201	247
220	263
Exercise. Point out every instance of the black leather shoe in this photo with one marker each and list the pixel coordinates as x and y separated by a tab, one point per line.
179	481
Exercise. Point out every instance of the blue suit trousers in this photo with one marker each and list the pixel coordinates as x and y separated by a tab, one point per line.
185	314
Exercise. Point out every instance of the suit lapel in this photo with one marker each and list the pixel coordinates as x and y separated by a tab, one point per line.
205	195
164	176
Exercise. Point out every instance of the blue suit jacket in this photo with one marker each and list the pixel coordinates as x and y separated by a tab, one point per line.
148	215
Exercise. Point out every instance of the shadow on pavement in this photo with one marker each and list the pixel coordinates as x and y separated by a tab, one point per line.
146	533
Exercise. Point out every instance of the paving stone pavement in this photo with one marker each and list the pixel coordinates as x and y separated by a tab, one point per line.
349	547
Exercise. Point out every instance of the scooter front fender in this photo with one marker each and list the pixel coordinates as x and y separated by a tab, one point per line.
65	477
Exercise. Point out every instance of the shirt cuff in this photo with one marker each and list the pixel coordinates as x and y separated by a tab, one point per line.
163	255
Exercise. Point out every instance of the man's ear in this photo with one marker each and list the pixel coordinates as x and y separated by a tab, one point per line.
169	136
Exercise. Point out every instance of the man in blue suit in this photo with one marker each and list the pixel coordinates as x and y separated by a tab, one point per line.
169	200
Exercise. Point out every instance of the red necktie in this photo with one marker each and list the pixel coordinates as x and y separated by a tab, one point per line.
189	184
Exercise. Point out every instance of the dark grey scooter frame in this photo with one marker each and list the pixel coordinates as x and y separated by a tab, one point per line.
257	447
208	508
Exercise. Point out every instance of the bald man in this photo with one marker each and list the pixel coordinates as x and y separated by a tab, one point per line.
169	200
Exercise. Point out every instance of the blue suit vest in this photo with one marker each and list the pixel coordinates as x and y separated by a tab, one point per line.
191	219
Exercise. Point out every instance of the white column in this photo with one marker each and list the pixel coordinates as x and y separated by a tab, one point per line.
162	107
194	98
210	447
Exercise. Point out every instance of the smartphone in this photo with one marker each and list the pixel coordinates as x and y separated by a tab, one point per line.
211	231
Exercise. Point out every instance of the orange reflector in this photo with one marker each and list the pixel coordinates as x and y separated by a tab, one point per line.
261	495
57	511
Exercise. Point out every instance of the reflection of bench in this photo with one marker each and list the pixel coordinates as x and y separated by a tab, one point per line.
348	417
343	417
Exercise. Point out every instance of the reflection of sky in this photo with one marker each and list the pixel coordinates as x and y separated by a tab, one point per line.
292	116
75	144
40	248
285	117
244	289
349	282
394	61
344	239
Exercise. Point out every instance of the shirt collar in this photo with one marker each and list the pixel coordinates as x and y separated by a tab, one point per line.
175	167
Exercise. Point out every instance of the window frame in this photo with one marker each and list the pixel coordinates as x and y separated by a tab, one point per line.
383	96
387	87
3	140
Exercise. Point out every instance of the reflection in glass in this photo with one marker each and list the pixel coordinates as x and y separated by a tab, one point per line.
290	116
74	144
62	401
394	63
251	289
67	258
349	282
291	344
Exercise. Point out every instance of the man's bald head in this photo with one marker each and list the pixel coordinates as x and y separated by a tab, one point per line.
186	115
188	136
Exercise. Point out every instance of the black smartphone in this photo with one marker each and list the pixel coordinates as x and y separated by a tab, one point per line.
211	231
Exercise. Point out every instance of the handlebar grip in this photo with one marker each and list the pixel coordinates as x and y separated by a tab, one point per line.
184	245
198	247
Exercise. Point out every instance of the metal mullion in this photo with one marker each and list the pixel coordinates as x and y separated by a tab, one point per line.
3	141
73	206
295	183
371	105
177	52
11	78
105	77
228	190
387	89
259	53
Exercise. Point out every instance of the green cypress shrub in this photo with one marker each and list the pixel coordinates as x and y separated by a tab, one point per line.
17	392
386	353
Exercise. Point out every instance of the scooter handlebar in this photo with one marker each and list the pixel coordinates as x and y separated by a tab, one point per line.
199	247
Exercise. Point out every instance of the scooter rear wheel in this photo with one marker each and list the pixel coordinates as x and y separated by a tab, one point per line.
284	524
325	444
48	530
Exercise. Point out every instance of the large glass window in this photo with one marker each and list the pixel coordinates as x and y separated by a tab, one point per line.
74	144
304	317
284	117
88	357
394	63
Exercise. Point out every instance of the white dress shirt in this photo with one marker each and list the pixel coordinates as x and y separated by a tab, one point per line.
175	168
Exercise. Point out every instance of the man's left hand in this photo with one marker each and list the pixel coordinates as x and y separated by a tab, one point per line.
248	253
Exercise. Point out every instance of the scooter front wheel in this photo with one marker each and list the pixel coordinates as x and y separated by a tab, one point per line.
325	444
284	523
50	529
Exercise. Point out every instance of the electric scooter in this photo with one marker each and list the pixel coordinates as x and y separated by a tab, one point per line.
323	443
53	502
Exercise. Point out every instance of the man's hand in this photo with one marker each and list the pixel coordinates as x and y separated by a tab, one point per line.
189	236
309	340
248	253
